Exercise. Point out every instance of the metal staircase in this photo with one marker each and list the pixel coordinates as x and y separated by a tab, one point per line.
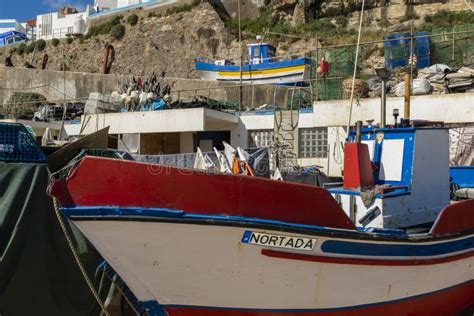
286	134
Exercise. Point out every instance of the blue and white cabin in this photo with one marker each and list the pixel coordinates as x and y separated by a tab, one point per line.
412	175
263	66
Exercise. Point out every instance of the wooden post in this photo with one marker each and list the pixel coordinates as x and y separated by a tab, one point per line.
406	109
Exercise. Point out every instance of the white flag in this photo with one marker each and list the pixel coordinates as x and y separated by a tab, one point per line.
199	161
224	166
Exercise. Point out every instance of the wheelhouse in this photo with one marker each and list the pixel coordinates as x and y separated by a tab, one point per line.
261	53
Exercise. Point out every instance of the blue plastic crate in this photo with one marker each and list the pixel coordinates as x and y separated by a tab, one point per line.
421	37
423	61
396	39
18	145
395	63
422	50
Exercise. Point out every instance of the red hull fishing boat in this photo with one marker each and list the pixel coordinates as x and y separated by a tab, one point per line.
185	242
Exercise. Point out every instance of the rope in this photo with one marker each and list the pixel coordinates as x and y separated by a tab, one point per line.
22	89
76	257
355	67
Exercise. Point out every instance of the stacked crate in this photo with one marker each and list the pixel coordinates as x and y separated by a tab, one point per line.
398	49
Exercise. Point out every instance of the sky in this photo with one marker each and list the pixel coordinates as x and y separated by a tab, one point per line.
23	10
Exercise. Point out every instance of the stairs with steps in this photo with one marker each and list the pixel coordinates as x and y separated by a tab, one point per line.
286	138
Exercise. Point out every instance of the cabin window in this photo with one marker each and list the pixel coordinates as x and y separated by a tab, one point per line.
271	52
313	142
256	52
260	138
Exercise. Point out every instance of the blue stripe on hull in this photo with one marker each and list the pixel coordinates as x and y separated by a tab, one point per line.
396	250
356	247
201	66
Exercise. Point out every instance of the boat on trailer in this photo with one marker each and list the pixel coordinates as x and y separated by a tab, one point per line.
187	242
264	67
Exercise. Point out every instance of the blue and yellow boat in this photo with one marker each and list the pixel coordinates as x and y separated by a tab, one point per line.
263	67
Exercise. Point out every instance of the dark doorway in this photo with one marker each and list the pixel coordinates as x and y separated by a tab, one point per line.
207	140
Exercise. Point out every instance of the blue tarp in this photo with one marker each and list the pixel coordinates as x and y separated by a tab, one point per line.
463	176
17	36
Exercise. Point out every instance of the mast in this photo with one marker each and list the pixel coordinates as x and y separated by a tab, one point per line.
241	55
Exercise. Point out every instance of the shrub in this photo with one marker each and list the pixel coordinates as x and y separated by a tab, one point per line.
104	28
55	42
23	105
116	19
69	40
448	18
183	8
30	48
13	50
132	19
41	44
341	21
21	49
117	31
81	40
409	16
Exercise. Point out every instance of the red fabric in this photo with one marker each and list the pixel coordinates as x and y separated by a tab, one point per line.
108	182
324	65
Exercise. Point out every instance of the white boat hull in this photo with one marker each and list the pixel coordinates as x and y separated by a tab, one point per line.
209	266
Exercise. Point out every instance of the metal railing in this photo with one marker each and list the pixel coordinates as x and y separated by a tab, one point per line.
56	33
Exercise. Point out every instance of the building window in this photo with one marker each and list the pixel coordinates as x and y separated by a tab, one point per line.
260	138
313	142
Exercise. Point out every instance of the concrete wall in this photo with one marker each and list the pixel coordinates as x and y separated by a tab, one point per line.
78	86
336	137
449	108
51	83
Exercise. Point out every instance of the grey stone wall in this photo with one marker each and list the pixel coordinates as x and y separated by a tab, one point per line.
78	86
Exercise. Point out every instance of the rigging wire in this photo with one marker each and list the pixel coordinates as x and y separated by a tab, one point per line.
355	67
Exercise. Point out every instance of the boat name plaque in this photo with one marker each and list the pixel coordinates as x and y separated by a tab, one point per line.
278	241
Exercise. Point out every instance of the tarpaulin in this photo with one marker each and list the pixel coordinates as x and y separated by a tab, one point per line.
38	274
312	178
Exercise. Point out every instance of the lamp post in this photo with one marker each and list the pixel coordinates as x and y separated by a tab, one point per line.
384	74
239	11
396	113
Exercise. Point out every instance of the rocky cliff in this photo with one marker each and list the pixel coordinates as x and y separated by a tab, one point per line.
169	43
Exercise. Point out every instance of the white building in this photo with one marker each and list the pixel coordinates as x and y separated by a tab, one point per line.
8	25
58	24
319	135
104	5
